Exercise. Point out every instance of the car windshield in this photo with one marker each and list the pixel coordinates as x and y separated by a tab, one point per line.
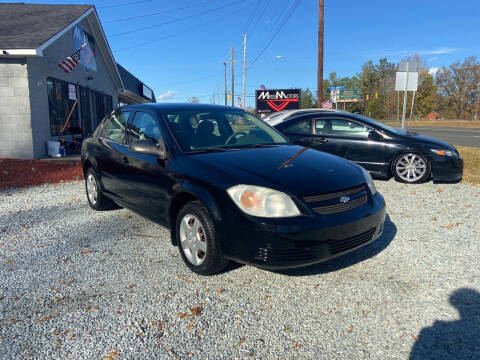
381	125
221	129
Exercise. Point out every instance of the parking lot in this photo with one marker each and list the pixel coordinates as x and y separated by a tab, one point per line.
80	284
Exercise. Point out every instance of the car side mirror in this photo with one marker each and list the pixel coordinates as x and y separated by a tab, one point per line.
373	135
149	147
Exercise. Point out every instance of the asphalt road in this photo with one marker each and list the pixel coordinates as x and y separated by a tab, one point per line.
455	136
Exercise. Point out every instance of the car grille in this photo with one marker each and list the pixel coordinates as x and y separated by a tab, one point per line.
346	244
330	203
269	255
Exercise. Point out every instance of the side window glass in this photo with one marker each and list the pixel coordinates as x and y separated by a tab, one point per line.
144	127
344	127
323	126
113	128
300	127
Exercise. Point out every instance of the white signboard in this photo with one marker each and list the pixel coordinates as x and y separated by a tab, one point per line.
401	79
72	93
334	95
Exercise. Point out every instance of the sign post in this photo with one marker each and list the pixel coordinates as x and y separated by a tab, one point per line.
406	80
405	98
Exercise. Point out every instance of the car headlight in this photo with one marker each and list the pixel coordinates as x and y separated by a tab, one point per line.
443	152
263	202
369	181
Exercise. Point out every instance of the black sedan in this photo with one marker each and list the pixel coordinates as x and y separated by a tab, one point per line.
383	150
230	187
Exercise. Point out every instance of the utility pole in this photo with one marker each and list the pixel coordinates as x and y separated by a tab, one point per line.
218	94
244	67
225	72
233	81
320	53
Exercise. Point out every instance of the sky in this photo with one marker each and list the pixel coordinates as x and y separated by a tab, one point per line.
178	47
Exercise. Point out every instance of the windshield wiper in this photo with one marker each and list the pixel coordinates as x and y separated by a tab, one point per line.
265	145
211	149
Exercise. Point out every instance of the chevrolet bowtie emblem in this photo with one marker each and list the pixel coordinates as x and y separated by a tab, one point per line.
344	199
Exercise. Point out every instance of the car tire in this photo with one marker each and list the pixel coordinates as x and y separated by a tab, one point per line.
95	197
197	240
411	168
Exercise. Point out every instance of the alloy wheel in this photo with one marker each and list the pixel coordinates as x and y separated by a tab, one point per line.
411	167
193	239
92	190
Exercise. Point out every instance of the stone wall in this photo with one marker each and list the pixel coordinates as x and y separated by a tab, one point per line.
15	124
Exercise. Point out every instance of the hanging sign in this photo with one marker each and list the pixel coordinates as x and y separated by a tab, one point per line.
72	93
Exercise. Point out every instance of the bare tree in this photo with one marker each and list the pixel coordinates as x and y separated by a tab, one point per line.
459	86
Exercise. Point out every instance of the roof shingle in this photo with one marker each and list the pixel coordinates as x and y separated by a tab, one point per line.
27	26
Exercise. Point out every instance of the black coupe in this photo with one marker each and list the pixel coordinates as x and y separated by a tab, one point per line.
230	187
383	150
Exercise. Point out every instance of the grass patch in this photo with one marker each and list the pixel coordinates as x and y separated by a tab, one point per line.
471	166
439	123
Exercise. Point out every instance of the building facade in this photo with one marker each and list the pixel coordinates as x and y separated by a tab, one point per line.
39	101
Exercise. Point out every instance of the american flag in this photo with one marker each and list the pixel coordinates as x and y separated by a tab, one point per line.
326	104
70	62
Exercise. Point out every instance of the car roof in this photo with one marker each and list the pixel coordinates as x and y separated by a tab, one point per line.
281	116
172	107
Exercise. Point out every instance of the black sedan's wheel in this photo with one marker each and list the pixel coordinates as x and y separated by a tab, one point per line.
411	168
197	240
96	199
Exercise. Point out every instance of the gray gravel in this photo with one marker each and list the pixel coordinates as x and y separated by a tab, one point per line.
81	284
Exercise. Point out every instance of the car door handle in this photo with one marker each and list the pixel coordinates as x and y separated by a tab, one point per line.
321	140
125	161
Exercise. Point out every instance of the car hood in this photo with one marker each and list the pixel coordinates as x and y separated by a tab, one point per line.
429	141
292	169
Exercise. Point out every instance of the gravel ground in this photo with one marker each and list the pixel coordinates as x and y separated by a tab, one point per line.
86	285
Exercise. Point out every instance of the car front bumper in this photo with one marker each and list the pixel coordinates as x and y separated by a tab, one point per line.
447	168
301	241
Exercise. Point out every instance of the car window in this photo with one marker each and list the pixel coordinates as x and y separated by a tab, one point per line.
113	127
194	130
144	126
300	127
340	127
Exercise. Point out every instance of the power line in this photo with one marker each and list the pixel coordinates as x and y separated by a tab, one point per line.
277	18
260	16
178	33
251	17
159	12
176	20
276	33
124	4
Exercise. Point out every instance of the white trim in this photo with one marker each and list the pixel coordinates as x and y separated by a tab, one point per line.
122	86
19	52
63	31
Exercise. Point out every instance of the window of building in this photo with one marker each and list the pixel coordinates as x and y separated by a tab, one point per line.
59	106
103	106
85	110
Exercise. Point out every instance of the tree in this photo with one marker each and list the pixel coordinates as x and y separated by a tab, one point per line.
459	89
426	96
307	99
